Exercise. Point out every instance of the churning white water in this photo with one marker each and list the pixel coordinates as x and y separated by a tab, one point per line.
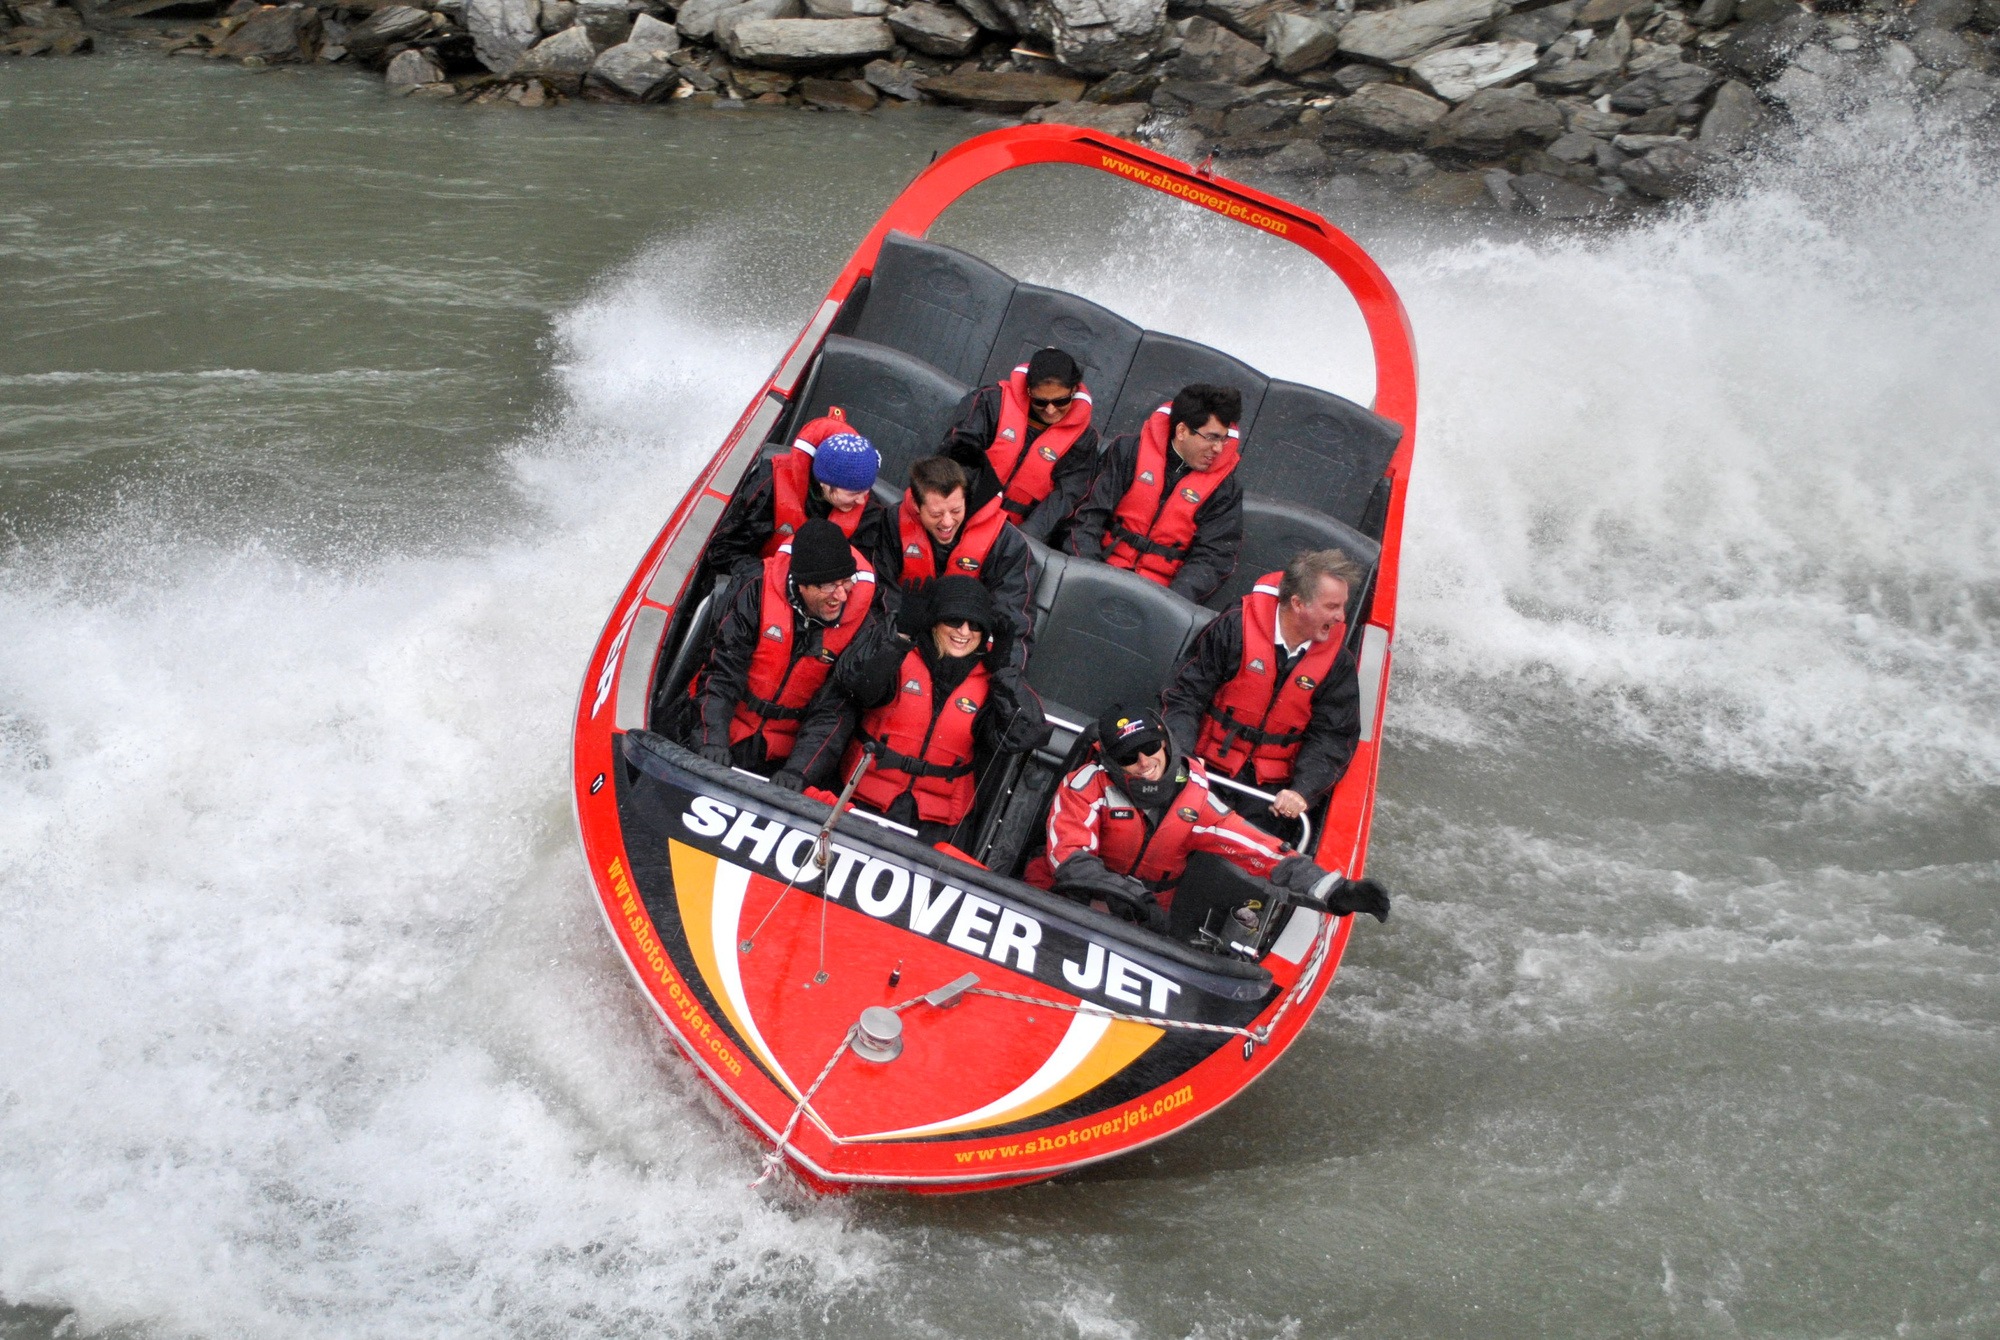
1684	1024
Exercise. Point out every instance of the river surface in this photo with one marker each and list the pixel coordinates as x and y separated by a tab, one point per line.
330	426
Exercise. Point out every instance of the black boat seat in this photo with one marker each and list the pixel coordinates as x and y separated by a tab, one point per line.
1317	449
901	404
1101	340
935	303
1161	366
1274	533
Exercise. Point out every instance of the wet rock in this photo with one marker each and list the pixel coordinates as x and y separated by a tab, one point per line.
1665	173
1499	185
561	61
386	27
1714	13
697	19
1758	50
992	17
1942	50
1125	86
898	81
1733	118
1575	147
1175	94
726	21
1300	42
165	9
1604	13
1300	156
1590	121
846	9
1247	18
1211	51
1540	26
807	44
1398	36
1494	120
1391	112
410	69
1666	86
838	95
1354	78
1002	91
502	31
1555	198
556	16
607	21
1097	37
276	35
935	30
641	66
1969	93
1451	190
1256	118
1458	73
1122	118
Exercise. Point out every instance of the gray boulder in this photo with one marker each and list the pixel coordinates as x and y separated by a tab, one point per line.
275	35
935	30
838	95
1457	73
1665	173
1759	50
1097	37
1399	36
1665	86
1123	118
642	65
807	44
1391	112
1300	42
561	61
1299	156
1211	51
1554	198
992	17
410	70
607	21
898	81
1942	50
502	31
1733	119
1604	13
726	21
1002	91
846	9
1495	120
384	28
1540	26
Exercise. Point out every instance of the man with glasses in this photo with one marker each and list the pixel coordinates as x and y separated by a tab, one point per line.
1028	440
776	645
1166	503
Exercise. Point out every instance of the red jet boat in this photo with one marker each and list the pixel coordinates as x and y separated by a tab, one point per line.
883	1013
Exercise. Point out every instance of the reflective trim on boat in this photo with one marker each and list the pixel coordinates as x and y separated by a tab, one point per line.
665	588
748	443
1374	665
808	345
648	630
1298	936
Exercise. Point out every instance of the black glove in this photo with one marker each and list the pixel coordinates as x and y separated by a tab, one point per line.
1360	895
1327	891
791	781
1084	878
1026	729
913	612
716	753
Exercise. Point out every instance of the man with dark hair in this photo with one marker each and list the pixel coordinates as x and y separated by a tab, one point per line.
775	647
1029	440
1166	503
1268	695
827	475
920	694
1122	826
936	538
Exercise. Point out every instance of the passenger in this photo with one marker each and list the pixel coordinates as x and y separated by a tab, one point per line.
775	647
1166	503
937	539
1029	440
827	474
922	694
1268	695
1121	828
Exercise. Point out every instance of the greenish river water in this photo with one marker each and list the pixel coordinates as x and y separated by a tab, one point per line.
330	425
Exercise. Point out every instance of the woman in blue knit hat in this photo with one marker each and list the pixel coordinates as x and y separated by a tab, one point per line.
827	475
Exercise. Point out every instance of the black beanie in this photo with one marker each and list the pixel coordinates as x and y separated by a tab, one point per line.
820	554
958	598
1125	735
1053	365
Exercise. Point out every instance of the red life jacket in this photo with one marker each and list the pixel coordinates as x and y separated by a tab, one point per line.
781	682
792	481
1254	718
927	754
1151	535
1158	858
1027	476
976	535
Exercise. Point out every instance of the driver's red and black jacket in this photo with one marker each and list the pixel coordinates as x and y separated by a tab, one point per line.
1091	816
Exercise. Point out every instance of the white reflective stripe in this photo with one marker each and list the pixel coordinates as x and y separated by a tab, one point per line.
1021	368
863	575
1374	667
1298	936
1083	776
800	444
1083	394
1262	589
1240	840
785	548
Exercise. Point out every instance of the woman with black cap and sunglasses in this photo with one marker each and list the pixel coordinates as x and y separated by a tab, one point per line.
921	695
1029	439
1122	826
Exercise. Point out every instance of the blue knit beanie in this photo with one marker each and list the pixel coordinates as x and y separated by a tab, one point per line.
847	461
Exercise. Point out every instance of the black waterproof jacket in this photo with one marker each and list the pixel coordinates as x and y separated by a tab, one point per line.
973	429
1218	534
751	518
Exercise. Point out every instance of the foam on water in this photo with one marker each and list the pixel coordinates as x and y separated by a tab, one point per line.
310	1026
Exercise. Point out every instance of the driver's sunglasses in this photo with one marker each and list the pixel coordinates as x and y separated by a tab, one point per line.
1054	402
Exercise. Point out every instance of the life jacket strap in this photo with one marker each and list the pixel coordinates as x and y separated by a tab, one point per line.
1235	728
1144	545
771	711
885	757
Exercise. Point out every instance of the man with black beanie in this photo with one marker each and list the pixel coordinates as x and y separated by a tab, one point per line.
776	646
921	695
1028	438
1122	826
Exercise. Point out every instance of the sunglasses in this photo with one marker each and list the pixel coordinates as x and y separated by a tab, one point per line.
960	623
1054	402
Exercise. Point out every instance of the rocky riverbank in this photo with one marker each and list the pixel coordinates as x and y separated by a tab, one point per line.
1571	109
